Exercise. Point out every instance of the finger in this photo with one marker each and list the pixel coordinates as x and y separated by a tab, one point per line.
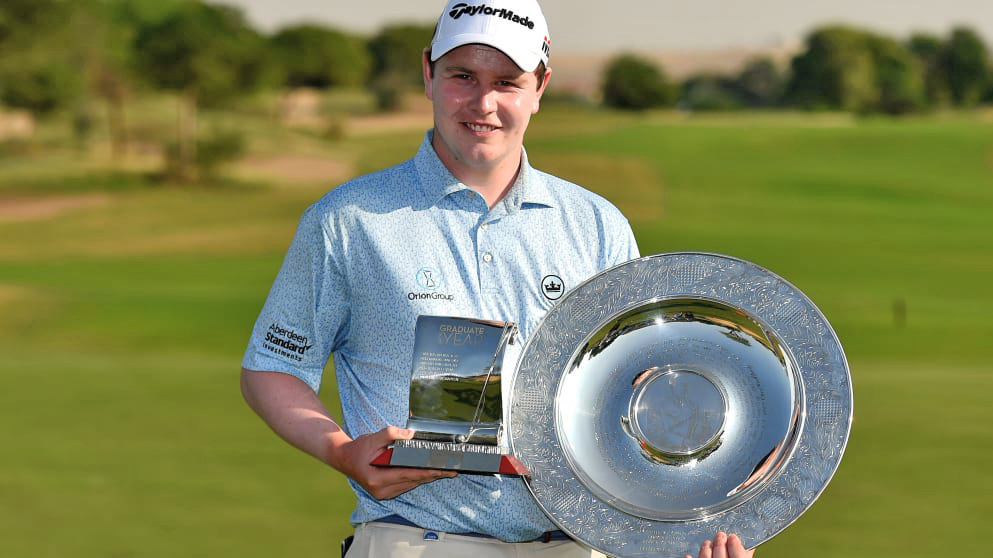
706	549
395	490
721	545
736	549
394	482
401	475
428	475
384	485
396	433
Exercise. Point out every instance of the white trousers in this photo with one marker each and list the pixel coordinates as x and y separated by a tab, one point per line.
386	540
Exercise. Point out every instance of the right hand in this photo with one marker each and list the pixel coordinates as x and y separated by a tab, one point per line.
724	546
353	458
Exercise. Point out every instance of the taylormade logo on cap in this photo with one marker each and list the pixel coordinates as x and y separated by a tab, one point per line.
461	9
515	27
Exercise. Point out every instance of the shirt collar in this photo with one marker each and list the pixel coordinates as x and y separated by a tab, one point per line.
530	187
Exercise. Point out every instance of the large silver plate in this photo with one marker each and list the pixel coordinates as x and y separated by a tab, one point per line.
676	395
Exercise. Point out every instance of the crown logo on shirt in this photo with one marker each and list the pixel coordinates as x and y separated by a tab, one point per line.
552	287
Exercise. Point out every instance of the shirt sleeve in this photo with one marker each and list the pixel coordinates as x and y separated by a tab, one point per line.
628	246
306	313
620	245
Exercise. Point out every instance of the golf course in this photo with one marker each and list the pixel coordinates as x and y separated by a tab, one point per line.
126	301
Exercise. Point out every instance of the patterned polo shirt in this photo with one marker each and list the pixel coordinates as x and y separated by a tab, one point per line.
378	251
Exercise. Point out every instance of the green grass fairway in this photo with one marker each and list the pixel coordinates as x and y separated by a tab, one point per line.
125	306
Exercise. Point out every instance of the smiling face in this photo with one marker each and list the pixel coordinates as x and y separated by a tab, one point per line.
482	103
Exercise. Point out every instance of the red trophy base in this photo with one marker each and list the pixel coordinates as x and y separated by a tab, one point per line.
465	458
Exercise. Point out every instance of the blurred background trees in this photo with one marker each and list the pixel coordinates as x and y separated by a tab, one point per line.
838	68
38	66
205	54
315	56
632	82
965	63
396	62
87	60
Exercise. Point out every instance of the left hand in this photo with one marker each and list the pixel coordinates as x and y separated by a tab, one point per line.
724	546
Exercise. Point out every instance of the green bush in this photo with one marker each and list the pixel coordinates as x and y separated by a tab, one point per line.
633	83
212	151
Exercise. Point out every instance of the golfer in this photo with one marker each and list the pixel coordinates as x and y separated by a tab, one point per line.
467	227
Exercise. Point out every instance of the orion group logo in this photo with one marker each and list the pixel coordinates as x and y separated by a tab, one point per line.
552	287
429	280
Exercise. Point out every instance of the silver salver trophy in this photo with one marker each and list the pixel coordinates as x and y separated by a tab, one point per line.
676	395
456	408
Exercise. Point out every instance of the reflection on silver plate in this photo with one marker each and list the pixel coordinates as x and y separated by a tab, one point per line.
676	395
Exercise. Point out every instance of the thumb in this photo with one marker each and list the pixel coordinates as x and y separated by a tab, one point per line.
391	433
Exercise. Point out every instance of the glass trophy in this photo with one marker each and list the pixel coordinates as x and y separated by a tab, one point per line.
456	408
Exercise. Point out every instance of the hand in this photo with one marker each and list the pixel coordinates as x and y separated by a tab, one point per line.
724	546
353	458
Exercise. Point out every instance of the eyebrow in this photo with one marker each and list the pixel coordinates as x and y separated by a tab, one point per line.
458	70
455	69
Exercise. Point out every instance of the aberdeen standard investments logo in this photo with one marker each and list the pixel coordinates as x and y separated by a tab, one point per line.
286	342
462	9
429	280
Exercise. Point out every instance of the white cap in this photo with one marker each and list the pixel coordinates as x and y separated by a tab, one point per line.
515	27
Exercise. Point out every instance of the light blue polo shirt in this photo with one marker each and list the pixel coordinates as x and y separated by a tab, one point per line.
382	249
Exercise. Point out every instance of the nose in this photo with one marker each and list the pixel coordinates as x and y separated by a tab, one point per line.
485	100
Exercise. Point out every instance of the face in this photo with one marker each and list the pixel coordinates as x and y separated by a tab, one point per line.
482	106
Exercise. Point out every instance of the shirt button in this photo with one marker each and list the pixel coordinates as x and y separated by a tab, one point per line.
487	257
483	226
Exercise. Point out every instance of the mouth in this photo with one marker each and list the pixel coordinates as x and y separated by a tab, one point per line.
479	128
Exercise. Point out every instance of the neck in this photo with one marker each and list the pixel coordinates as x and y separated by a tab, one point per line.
492	186
492	182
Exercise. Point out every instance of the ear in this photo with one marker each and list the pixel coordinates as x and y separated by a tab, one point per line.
426	69
541	91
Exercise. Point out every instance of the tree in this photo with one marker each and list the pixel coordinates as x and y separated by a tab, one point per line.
17	16
899	77
103	31
397	49
633	83
928	50
38	60
835	71
965	66
760	83
205	53
396	61
710	92
314	56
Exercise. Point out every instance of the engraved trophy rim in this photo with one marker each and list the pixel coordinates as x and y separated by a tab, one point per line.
575	425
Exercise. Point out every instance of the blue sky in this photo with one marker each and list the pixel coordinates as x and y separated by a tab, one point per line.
587	26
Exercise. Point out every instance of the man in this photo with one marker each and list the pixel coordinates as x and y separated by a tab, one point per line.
465	228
